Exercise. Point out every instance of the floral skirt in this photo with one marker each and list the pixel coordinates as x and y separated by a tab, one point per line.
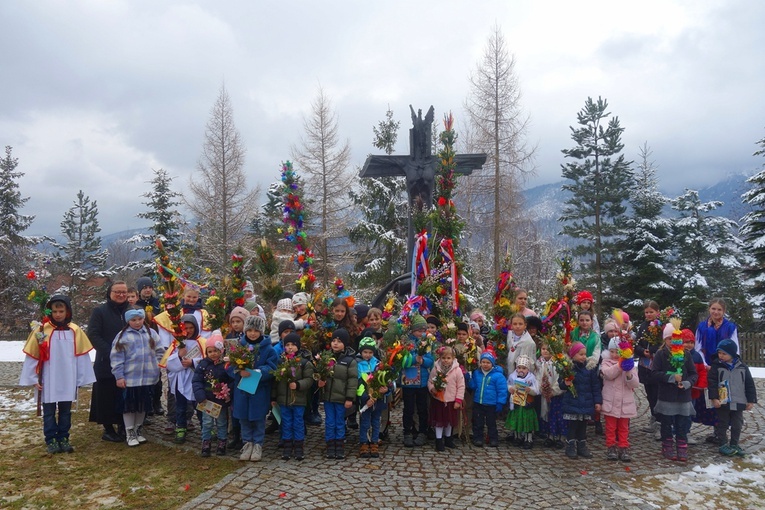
555	424
443	414
522	419
136	399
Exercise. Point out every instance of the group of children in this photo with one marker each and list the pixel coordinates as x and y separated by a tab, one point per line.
218	377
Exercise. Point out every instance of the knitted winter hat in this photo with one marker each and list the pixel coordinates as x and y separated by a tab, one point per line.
215	340
728	347
417	322
284	304
371	333
240	313
342	335
255	322
143	282
248	286
367	344
462	326
575	347
361	311
488	356
613	344
132	313
301	298
432	319
668	330
523	361
292	338
285	325
687	334
584	295
477	315
610	326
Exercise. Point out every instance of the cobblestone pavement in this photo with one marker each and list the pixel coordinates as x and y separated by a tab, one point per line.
467	477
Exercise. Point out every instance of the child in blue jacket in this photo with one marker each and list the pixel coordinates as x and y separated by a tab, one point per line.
414	384
580	406
489	398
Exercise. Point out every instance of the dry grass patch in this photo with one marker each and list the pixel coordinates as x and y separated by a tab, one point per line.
98	474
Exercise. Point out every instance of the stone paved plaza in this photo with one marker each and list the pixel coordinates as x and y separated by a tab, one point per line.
467	477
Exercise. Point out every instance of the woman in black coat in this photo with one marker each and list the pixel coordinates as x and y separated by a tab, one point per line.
105	323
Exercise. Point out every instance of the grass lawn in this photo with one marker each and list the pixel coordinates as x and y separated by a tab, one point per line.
98	474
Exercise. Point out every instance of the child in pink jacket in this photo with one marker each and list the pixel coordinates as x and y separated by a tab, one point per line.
447	390
619	382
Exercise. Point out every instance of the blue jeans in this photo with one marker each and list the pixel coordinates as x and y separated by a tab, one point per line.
371	417
220	423
334	426
253	431
53	430
292	422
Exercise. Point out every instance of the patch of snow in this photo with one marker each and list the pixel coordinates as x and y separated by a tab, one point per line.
16	405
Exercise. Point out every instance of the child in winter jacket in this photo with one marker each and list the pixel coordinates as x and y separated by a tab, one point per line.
56	364
251	408
339	393
211	382
180	360
447	391
620	379
414	384
551	420
580	405
489	398
522	419
292	396
731	390
283	312
366	365
675	374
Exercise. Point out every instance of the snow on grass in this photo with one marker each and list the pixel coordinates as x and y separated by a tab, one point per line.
14	401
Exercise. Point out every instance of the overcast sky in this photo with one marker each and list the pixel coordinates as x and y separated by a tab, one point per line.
98	93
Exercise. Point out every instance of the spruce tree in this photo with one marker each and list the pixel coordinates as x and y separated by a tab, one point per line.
601	180
12	224
708	260
753	233
380	237
646	248
166	220
80	257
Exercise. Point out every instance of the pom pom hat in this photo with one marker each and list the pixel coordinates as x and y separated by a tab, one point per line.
215	340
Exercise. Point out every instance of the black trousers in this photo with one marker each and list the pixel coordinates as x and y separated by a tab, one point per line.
485	416
415	399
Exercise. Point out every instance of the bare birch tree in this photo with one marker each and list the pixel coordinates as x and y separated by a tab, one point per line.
500	126
322	158
220	200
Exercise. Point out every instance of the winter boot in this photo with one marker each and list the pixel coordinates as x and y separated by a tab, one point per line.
682	450
298	450
339	448
612	454
206	447
420	439
287	452
331	450
221	449
571	451
64	446
668	449
364	451
246	451
440	444
625	455
374	451
408	441
449	442
180	437
582	450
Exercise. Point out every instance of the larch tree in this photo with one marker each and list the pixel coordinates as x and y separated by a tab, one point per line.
380	237
600	184
753	233
500	130
322	160
221	201
646	249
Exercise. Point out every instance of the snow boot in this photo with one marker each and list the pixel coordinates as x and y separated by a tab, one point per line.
221	449
449	442
571	451
331	450
408	441
339	448
625	455
180	437
668	449
682	450
582	450
206	447
287	452
298	450
612	453
440	444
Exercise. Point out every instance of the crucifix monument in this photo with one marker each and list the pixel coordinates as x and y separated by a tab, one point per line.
419	167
